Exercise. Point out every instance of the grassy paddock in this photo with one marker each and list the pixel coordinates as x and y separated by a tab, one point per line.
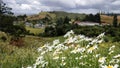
35	31
108	19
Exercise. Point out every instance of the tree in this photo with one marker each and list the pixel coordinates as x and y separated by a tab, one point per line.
115	21
66	20
21	17
6	18
59	21
98	18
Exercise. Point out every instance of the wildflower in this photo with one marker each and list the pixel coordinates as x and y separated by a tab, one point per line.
63	64
29	67
63	58
115	61
100	41
101	35
110	52
70	40
111	47
110	66
81	36
44	64
92	48
97	55
56	57
93	41
117	56
42	53
59	46
78	50
39	49
57	53
55	42
102	60
68	34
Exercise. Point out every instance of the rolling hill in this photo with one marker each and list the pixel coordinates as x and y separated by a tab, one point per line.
55	14
108	19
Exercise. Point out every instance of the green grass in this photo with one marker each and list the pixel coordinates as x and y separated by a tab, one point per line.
108	19
35	30
15	57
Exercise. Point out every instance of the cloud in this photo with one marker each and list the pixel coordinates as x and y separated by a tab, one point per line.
80	6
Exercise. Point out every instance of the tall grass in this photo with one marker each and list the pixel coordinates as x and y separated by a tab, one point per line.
78	51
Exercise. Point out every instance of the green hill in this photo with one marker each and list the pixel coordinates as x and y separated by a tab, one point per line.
55	14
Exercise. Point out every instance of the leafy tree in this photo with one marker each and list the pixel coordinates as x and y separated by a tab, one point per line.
6	21
6	18
66	20
91	18
59	21
115	21
21	17
98	18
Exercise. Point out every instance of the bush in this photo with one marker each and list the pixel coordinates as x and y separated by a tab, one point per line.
112	33
50	31
3	38
17	41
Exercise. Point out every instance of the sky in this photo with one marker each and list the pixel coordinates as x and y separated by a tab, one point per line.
75	6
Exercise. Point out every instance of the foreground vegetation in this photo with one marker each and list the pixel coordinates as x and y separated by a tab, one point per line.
70	51
78	51
20	49
15	57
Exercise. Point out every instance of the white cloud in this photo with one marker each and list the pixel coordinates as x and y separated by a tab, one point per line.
81	6
25	7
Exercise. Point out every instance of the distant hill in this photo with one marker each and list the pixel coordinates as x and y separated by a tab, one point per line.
108	19
62	14
41	15
55	14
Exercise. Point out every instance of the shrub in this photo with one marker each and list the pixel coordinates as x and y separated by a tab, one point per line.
3	38
17	41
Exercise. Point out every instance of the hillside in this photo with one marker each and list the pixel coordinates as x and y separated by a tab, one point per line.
41	15
108	19
55	14
62	14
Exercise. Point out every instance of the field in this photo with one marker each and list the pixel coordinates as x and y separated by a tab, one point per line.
51	52
35	31
108	19
68	51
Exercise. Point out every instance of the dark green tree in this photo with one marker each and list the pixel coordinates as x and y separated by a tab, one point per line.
98	18
6	21
115	21
59	21
21	17
6	18
66	20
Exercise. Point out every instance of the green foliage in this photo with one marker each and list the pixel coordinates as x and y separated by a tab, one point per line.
115	21
6	22
21	17
112	33
50	31
60	28
98	18
93	18
66	20
91	31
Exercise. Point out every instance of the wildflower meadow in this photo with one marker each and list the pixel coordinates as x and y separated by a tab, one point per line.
77	51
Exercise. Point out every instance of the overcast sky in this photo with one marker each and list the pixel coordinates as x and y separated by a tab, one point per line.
76	6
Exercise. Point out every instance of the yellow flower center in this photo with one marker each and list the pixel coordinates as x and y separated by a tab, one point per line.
91	48
110	66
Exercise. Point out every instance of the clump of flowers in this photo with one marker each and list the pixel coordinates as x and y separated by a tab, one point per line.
76	51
